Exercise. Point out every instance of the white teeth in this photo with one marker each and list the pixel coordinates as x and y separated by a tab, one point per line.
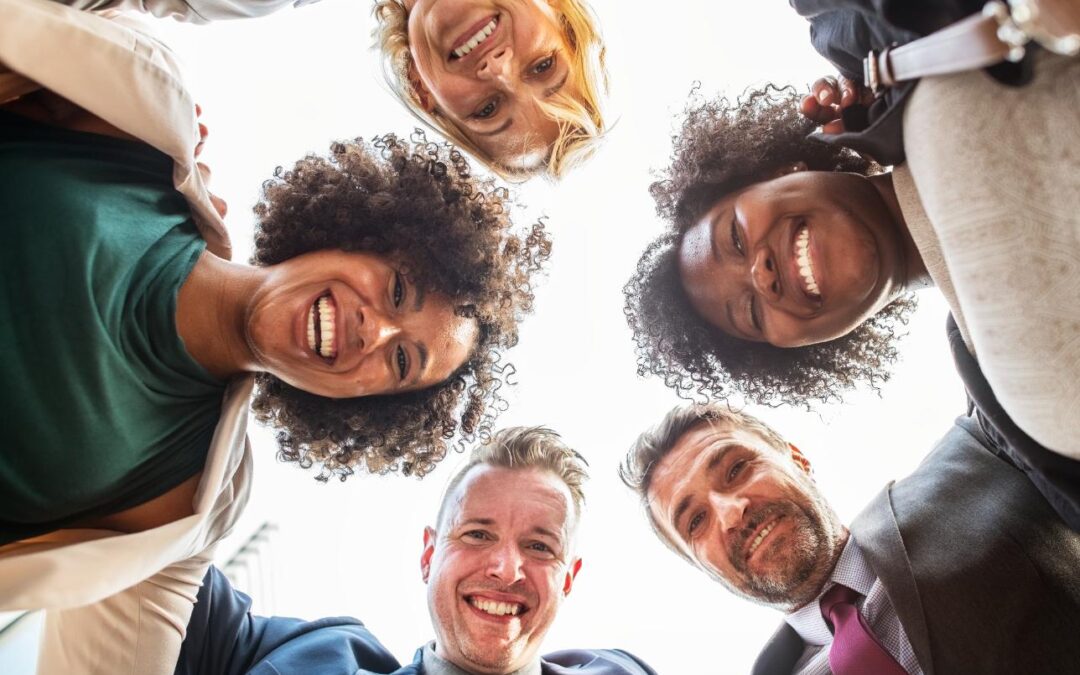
802	258
496	608
324	343
761	535
476	39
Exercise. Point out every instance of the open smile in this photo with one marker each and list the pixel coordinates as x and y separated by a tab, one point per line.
754	543
496	609
322	331
803	263
478	34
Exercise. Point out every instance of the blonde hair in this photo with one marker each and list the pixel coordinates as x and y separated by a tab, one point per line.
581	120
527	448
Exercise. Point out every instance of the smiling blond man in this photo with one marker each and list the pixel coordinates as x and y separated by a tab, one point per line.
498	563
962	567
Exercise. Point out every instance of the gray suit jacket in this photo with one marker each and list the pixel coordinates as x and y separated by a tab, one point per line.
984	575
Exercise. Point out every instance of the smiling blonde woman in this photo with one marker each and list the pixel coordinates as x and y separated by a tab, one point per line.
517	83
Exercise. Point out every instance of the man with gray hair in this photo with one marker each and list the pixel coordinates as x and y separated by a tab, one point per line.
498	563
962	567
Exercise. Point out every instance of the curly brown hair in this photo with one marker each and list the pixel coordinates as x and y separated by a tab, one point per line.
725	146
417	203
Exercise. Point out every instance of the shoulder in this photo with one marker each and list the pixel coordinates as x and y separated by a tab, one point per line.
594	662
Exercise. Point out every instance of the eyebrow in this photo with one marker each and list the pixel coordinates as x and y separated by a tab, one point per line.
422	348
712	237
419	295
543	531
548	93
714	461
477	521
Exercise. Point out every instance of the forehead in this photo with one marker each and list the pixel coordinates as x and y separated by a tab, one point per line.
449	338
687	463
512	498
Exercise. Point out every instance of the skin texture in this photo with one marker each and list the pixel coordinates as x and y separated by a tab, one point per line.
506	536
257	322
747	282
722	486
492	92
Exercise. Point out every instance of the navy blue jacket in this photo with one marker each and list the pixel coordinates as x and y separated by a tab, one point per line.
224	638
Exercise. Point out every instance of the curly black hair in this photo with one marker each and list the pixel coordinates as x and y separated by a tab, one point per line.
725	146
416	202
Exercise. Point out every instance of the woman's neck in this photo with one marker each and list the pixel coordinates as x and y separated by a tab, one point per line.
211	314
915	275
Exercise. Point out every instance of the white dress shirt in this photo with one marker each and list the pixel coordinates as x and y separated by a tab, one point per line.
852	571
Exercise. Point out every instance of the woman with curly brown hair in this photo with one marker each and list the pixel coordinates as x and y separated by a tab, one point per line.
387	282
785	269
787	266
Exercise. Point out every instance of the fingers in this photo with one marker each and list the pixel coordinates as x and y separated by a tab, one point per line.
203	133
219	204
205	172
826	90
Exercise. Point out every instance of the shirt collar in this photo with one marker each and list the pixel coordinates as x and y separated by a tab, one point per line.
852	571
436	665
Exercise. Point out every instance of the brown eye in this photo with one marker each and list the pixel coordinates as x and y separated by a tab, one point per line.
399	289
695	523
402	363
736	469
736	237
487	111
544	65
755	314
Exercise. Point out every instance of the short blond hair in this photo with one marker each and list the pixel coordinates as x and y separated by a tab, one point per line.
527	448
581	121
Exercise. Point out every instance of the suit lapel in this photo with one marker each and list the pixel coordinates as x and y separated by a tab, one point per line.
780	653
878	537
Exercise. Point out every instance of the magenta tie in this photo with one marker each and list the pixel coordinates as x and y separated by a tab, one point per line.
855	650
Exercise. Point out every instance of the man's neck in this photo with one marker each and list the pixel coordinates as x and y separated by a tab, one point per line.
434	664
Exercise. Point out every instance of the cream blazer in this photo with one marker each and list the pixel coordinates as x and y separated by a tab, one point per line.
119	603
993	203
193	11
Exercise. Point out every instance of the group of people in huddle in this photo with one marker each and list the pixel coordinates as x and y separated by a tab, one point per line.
388	278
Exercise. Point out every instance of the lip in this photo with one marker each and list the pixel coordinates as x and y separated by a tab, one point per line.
469	32
496	597
481	50
774	522
301	329
792	277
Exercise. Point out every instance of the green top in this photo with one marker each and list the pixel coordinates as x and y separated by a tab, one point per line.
102	407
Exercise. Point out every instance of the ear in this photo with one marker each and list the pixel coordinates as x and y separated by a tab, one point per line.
789	169
800	460
423	96
571	574
429	550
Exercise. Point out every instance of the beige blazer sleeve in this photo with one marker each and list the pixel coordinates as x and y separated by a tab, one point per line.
193	11
121	74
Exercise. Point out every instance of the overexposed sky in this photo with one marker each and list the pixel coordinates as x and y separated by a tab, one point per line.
276	88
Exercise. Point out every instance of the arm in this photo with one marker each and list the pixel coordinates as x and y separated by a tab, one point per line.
194	11
226	639
136	631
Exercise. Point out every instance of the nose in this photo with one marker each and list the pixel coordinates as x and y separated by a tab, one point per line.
376	331
504	563
764	274
728	509
496	65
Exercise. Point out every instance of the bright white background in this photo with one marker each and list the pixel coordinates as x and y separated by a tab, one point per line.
273	89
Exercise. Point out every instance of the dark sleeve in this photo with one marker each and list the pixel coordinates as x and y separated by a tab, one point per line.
224	638
594	662
1055	476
